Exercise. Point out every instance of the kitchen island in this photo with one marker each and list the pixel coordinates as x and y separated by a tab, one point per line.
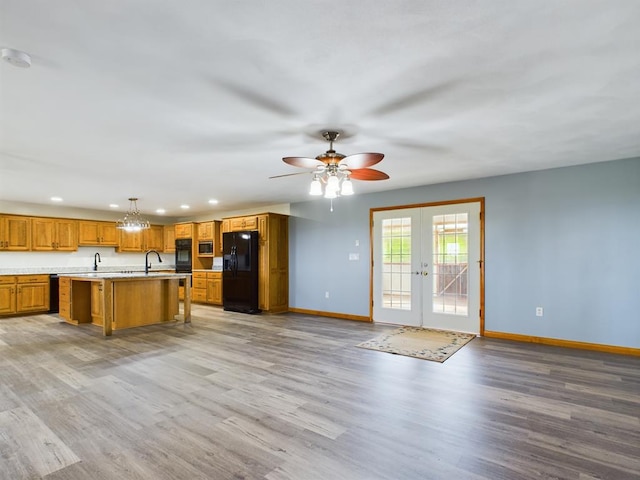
116	301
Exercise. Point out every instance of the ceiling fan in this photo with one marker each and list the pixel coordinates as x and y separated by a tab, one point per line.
336	170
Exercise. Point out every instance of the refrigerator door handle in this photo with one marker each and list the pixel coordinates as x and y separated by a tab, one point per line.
234	261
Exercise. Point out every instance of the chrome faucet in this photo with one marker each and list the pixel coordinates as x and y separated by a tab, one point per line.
147	265
96	259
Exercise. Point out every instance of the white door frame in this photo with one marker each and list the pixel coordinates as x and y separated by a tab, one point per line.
480	201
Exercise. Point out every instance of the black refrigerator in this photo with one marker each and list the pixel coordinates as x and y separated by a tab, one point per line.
240	271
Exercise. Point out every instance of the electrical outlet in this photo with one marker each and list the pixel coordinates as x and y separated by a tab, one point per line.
326	294
539	311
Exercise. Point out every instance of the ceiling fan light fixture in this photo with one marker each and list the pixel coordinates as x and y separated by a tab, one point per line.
316	186
335	170
328	193
333	183
347	187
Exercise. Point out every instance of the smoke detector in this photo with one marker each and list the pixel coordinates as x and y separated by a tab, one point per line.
16	57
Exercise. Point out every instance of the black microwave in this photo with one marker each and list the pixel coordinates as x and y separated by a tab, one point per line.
205	248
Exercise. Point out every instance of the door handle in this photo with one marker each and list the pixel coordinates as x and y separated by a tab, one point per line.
425	273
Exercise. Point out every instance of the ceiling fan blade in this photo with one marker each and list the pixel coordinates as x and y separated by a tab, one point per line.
368	174
263	100
361	160
303	162
289	174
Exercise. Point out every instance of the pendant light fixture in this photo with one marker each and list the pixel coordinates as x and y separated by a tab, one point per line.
132	221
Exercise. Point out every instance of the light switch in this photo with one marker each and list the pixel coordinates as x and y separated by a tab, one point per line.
354	256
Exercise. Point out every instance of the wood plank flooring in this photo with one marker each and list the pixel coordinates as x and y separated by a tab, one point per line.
289	397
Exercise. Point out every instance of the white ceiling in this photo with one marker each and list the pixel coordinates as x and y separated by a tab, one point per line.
180	102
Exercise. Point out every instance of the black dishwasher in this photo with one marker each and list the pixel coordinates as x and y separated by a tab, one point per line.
54	292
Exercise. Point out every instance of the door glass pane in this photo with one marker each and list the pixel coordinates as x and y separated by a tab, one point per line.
396	263
450	264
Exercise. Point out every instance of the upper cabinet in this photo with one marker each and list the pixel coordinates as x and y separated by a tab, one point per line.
102	234
15	233
150	239
205	230
236	224
153	238
54	234
184	230
169	238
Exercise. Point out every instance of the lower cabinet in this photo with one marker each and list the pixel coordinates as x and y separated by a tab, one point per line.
207	287
7	295
214	288
64	295
24	294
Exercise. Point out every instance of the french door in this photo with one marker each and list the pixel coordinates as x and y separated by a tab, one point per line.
427	266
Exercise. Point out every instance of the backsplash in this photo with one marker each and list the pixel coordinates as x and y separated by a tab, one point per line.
79	261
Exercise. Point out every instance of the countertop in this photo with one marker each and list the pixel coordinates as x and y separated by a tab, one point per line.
123	275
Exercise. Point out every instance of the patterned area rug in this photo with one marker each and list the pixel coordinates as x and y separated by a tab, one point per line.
425	343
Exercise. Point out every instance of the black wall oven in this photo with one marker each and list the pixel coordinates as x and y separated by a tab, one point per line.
183	255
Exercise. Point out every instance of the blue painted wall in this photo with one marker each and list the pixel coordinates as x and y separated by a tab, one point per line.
565	239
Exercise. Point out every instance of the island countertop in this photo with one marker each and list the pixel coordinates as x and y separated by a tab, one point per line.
123	275
118	300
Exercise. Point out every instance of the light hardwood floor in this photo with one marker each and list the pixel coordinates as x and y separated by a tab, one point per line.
281	397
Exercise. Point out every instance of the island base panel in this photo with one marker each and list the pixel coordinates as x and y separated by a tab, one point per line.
132	308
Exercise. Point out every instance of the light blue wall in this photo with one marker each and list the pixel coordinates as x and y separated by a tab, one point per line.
565	239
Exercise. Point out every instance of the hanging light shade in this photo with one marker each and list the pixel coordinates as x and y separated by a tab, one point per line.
347	187
316	186
132	221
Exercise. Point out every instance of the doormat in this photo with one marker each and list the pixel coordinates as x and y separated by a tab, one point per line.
424	343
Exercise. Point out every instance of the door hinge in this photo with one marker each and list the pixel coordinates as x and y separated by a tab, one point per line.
480	313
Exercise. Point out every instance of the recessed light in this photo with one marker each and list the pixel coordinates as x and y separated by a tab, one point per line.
56	199
113	205
160	211
184	207
213	201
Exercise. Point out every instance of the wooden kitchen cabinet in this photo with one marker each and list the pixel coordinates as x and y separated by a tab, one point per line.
129	241
151	238
184	230
100	234
7	294
199	287
237	224
24	293
54	234
214	288
205	230
169	232
15	233
33	293
273	257
210	232
207	287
